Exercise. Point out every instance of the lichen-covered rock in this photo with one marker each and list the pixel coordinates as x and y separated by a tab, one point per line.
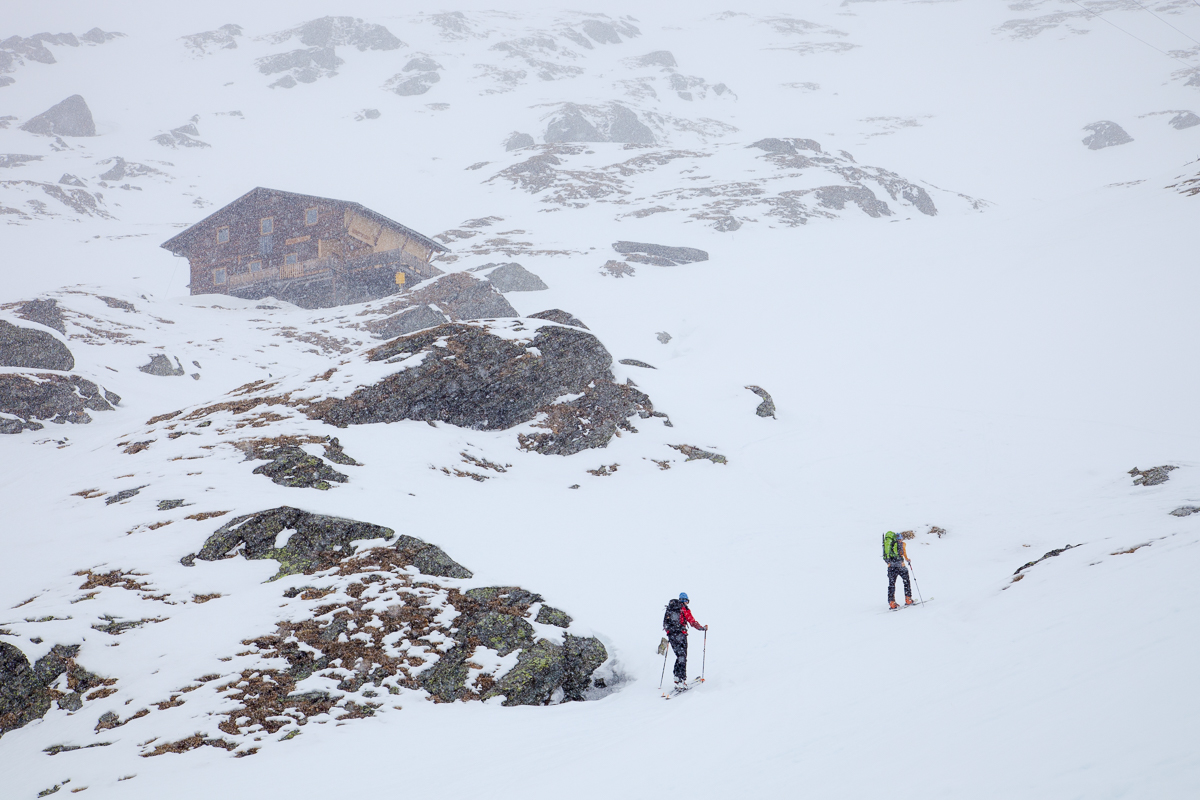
291	466
430	559
27	398
503	633
767	407
548	615
546	667
315	541
25	690
32	349
470	377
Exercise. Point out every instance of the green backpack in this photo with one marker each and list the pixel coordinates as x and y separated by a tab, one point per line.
891	547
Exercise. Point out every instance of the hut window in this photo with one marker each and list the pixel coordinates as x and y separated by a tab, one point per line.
310	216
222	235
256	266
290	258
219	276
266	226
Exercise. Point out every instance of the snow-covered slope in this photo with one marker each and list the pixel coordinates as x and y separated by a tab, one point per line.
953	241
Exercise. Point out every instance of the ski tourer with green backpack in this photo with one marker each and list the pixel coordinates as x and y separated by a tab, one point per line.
895	554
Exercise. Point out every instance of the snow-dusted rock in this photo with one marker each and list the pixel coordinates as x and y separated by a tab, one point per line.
161	366
517	140
1105	134
659	254
27	400
71	117
1184	120
32	349
559	316
512	277
613	122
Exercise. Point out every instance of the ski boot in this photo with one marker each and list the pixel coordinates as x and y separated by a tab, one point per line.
892	605
908	601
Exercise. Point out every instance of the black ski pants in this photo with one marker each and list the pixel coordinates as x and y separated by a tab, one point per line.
897	568
679	646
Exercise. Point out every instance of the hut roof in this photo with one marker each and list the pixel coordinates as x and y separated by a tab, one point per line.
179	243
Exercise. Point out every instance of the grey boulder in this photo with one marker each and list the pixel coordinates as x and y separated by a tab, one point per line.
32	349
160	365
71	117
512	277
1105	134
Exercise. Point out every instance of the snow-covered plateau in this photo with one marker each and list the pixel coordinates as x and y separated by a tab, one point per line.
729	291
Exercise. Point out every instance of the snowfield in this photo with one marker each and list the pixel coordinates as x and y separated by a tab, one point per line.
955	243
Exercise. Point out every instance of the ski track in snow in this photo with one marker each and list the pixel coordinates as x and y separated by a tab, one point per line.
966	318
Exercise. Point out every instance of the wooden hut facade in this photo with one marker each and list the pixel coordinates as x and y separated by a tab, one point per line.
311	251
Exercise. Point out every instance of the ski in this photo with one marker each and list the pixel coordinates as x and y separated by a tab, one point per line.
678	691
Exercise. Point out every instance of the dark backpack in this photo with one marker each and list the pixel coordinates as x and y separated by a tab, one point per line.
671	619
891	547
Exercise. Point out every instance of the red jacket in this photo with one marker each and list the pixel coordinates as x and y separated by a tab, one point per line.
685	617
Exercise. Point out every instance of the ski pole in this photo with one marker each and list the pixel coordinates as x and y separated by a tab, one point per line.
917	585
664	669
704	655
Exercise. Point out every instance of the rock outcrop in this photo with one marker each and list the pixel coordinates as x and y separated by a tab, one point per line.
466	375
43	312
32	349
161	365
71	117
610	123
1105	134
410	320
25	690
767	407
512	277
27	398
659	254
1152	476
315	542
464	297
517	140
291	466
559	316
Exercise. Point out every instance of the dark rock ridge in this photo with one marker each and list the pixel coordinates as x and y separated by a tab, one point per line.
410	320
25	690
32	349
49	396
71	117
462	297
663	255
160	365
559	316
470	377
1051	554
317	542
292	466
1105	134
1152	476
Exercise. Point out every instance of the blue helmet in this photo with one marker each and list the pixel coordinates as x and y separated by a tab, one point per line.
683	596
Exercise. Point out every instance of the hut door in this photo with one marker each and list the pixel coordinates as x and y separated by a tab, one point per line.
266	245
